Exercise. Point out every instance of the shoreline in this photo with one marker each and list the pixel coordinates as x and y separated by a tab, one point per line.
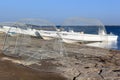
79	62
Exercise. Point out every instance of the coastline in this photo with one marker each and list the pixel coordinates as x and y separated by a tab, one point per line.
81	63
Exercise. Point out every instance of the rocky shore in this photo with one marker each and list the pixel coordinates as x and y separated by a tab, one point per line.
79	63
92	64
14	71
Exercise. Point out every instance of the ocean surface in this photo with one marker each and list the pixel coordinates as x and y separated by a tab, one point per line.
115	30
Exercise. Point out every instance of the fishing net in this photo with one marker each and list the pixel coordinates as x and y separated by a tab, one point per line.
40	45
30	40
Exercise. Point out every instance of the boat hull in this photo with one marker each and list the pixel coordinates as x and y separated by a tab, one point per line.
76	37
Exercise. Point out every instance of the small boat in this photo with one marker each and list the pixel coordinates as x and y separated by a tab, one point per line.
16	30
79	37
80	30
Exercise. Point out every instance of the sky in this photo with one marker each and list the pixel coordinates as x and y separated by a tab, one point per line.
56	11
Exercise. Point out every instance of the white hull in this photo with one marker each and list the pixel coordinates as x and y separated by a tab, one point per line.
105	44
10	30
73	37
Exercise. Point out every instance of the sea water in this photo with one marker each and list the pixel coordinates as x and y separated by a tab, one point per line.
115	30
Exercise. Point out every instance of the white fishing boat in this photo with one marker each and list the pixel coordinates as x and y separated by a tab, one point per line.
15	30
73	37
81	30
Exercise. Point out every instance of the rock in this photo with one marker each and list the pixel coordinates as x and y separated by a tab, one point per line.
82	62
91	64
